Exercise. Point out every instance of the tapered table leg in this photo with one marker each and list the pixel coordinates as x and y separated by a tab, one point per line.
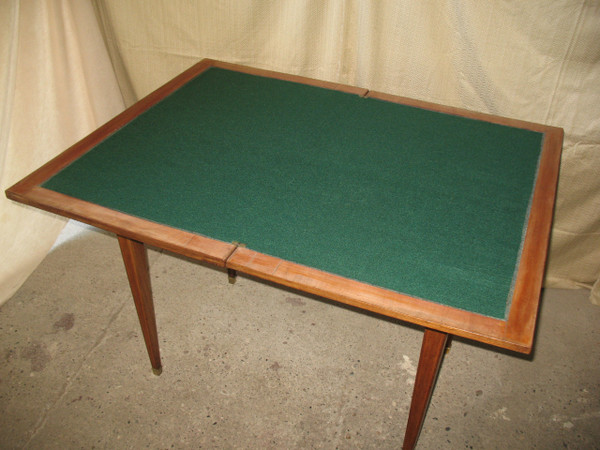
432	352
135	258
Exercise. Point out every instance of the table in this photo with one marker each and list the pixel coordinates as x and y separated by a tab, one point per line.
425	213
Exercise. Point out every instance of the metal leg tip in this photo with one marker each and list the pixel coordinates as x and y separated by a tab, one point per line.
232	275
156	371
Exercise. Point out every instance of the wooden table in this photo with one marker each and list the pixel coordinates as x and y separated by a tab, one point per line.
433	215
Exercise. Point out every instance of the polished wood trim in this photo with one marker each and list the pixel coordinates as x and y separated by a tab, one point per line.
372	298
453	110
135	258
152	233
522	315
294	78
430	360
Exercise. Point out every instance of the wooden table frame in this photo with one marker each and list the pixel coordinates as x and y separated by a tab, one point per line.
516	333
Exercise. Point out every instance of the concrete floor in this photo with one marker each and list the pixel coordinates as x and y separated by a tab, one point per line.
254	366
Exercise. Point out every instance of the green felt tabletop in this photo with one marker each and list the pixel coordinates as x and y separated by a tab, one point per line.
427	204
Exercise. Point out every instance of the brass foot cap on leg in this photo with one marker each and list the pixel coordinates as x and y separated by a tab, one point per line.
156	371
231	275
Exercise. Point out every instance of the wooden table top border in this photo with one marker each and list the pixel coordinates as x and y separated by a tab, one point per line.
516	333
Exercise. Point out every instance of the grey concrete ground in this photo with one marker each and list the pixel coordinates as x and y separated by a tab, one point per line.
254	366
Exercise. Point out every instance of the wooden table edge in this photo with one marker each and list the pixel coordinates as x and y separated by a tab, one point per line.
290	77
171	239
379	300
523	312
463	112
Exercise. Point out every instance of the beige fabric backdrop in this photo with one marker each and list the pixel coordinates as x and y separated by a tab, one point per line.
534	60
56	85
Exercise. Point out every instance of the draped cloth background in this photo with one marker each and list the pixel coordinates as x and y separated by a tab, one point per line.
537	61
56	86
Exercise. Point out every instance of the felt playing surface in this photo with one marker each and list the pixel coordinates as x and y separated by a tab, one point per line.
427	204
